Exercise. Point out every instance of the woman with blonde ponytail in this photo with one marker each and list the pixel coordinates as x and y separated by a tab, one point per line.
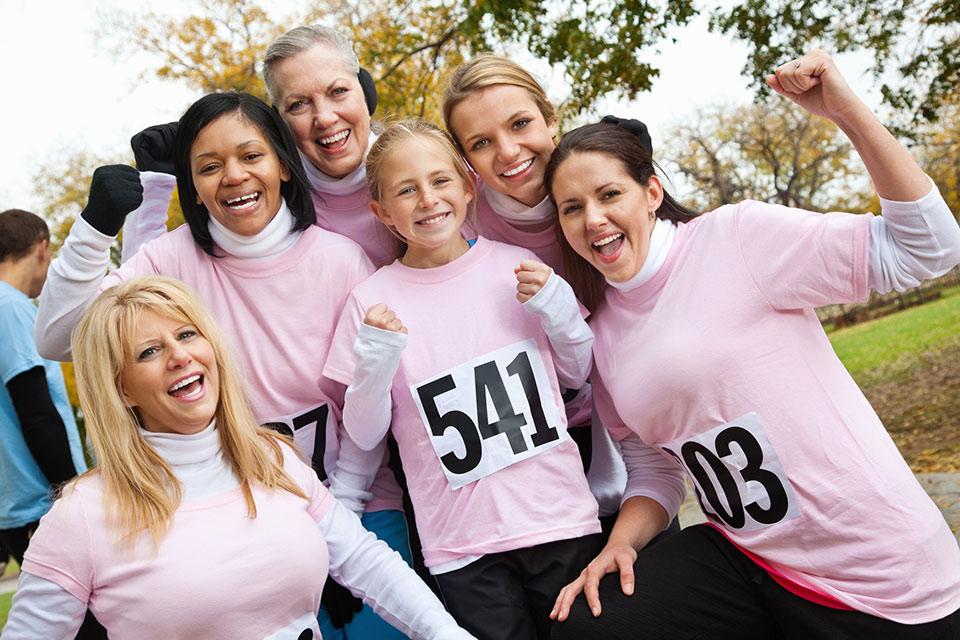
197	522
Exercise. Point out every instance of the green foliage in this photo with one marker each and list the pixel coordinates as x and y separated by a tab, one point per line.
915	43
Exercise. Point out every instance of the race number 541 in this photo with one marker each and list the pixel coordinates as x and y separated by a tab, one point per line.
490	412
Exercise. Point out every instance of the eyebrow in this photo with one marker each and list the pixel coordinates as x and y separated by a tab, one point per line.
208	154
305	94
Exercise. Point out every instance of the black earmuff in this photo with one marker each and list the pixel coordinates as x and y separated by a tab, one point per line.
369	89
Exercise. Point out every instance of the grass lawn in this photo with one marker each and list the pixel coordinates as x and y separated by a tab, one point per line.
897	342
908	365
6	598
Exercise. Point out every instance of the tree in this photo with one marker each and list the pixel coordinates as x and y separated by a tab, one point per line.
602	45
62	184
773	152
939	154
915	43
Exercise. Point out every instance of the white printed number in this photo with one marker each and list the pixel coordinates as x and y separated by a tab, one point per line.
737	475
467	409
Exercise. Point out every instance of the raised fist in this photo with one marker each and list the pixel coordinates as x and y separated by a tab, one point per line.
153	147
115	191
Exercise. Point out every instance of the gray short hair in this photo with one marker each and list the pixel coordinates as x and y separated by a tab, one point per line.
300	39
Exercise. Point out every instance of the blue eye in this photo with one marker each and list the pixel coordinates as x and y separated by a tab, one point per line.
479	144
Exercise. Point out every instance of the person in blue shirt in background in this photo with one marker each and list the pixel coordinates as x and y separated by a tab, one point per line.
39	443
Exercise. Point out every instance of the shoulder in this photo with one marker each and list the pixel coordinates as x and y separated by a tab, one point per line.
336	250
16	309
176	244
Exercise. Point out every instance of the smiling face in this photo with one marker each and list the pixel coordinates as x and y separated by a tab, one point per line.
606	215
237	174
173	379
320	99
506	140
424	198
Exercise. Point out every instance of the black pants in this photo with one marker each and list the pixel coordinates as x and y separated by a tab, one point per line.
509	595
17	540
696	586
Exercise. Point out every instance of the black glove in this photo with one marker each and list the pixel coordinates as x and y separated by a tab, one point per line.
635	127
115	191
153	147
339	603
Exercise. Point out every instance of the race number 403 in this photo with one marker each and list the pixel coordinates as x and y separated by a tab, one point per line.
491	412
737	475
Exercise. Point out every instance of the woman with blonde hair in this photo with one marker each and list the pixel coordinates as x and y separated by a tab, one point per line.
197	522
504	124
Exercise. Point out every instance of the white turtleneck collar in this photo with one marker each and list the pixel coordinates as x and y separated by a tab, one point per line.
274	239
346	185
661	240
515	211
197	461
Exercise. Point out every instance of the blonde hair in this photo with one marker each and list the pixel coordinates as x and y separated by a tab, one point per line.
487	70
403	131
141	492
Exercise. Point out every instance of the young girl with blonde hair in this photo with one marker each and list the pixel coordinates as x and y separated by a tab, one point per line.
197	522
460	348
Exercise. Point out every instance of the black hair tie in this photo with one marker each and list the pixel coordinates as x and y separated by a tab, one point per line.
635	127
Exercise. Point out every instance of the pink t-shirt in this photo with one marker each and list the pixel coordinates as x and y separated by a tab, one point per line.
720	361
217	573
279	314
350	215
546	245
477	412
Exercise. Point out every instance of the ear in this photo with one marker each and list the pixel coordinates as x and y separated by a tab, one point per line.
43	249
470	189
654	190
552	128
284	172
382	214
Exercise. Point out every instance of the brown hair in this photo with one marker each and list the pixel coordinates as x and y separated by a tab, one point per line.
20	231
621	145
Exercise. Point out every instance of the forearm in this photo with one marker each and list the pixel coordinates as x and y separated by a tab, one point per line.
42	426
356	469
149	220
894	172
640	519
72	284
570	337
43	609
379	576
367	405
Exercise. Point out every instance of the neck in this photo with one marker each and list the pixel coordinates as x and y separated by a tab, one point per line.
422	258
17	275
272	240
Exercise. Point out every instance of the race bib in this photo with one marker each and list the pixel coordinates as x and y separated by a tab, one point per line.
311	430
490	412
737	475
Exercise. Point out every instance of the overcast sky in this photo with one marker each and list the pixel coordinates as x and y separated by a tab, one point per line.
65	91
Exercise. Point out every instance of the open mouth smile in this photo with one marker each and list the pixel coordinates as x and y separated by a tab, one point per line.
188	389
245	201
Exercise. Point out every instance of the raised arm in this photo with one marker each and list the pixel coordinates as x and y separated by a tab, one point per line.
548	296
917	236
75	276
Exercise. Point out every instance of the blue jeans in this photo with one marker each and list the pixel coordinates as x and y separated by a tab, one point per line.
391	527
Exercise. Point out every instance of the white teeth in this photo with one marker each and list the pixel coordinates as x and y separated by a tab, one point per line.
433	220
183	383
336	137
607	240
519	168
244	201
